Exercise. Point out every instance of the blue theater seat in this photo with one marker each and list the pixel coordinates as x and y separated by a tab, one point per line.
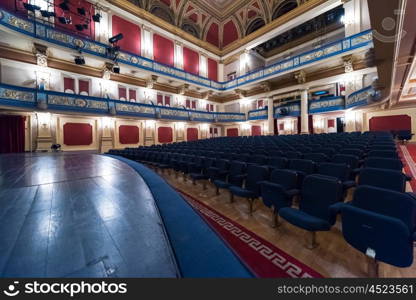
317	195
340	171
383	178
351	160
303	167
277	163
219	170
316	157
251	189
279	190
235	176
383	153
381	223
203	174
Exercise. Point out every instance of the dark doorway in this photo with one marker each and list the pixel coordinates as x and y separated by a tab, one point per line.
340	125
12	134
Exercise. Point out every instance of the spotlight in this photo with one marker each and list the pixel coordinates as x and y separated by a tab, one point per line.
64	20
116	69
96	17
79	27
31	7
81	11
85	26
115	38
79	60
44	13
64	5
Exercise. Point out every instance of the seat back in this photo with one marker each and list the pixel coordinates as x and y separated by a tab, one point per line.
385	154
278	162
316	157
381	220
293	155
318	193
387	237
350	160
286	178
258	159
383	163
383	178
340	171
255	174
302	165
237	168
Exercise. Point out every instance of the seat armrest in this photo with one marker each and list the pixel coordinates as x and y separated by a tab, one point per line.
336	208
408	177
349	184
292	193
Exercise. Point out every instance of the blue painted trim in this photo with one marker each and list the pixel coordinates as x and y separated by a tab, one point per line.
199	251
326	108
295	62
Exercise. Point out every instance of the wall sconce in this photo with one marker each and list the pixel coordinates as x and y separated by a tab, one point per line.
106	122
180	125
44	119
246	126
150	123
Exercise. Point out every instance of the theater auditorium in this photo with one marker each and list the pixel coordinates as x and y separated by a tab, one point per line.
207	138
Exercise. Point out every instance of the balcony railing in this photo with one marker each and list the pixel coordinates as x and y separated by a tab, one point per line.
326	104
360	97
50	100
258	114
56	36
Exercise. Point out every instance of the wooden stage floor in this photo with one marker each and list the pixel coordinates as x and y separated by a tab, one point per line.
78	215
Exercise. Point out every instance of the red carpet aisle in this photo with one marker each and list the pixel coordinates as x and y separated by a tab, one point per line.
261	257
408	154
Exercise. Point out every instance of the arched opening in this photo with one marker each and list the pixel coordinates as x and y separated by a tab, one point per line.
164	13
284	8
256	24
191	29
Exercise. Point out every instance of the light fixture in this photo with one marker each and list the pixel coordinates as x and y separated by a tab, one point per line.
79	60
116	69
64	5
79	27
116	38
96	17
64	20
81	11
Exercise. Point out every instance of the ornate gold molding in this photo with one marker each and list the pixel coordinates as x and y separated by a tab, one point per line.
143	14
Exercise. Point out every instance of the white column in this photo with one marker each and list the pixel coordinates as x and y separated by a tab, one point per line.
178	55
147	42
221	72
304	112
356	16
270	117
203	65
243	63
103	28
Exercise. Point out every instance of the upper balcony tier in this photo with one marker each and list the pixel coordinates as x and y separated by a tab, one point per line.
54	36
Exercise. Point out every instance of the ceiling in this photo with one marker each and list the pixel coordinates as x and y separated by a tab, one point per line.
218	22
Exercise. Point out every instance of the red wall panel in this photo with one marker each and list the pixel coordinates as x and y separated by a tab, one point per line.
131	41
281	126
232	132
132	94
128	134
331	123
213	35
192	134
190	61
388	123
159	99
122	93
69	84
77	134
255	130
165	134
75	17
230	33
84	86
13	5
212	69
163	50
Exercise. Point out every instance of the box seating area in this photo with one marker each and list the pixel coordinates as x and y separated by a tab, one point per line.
304	179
